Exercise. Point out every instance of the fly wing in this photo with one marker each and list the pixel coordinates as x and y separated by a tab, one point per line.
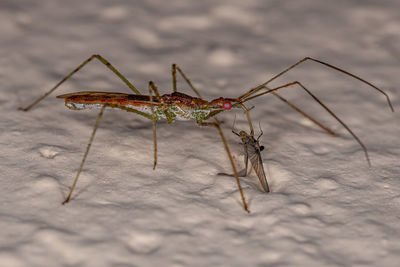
256	163
243	172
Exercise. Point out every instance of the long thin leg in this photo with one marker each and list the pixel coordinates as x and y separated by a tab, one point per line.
96	125
152	87
256	89
329	131
173	69
322	104
248	118
102	60
176	67
216	125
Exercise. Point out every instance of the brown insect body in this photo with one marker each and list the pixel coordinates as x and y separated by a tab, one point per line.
122	99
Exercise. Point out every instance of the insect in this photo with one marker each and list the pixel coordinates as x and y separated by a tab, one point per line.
179	106
252	151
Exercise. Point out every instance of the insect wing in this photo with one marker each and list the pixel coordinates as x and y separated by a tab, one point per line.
252	151
258	167
243	172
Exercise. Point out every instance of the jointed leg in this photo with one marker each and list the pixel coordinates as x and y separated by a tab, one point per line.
329	131
243	173
250	94
102	60
261	86
152	87
322	104
96	125
216	125
175	68
248	118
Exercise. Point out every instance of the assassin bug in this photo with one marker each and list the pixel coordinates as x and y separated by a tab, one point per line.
179	106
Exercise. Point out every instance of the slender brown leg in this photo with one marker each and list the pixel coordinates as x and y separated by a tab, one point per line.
250	94
152	87
176	67
102	60
96	125
248	118
323	105
216	125
174	78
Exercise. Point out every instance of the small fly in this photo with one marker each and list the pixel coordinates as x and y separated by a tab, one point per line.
252	152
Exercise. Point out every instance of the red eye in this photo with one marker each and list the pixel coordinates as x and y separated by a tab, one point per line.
227	105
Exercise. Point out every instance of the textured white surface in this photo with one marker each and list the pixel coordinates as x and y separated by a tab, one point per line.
327	207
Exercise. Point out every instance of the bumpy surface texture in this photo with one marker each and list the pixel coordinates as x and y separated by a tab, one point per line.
326	208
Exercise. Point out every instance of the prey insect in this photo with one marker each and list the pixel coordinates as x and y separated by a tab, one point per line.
252	152
179	106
